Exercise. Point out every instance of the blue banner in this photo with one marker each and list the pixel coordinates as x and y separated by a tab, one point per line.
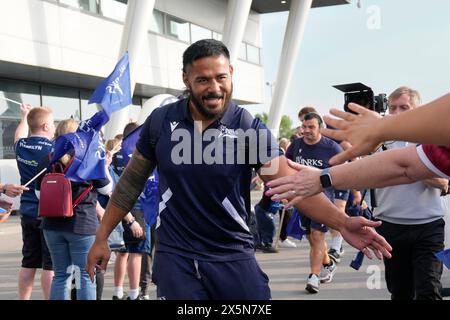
86	148
149	199
129	144
114	93
444	256
294	227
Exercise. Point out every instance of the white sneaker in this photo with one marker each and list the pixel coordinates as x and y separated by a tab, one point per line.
287	244
327	273
312	284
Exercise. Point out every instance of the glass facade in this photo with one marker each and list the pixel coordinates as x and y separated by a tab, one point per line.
113	9
86	5
178	28
65	102
242	52
10	112
253	54
157	23
162	23
198	33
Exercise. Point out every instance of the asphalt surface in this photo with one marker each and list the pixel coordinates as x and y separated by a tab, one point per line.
287	271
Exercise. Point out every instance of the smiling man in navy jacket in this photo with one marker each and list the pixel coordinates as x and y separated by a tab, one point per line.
204	247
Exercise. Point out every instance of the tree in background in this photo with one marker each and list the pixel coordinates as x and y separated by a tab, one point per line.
286	130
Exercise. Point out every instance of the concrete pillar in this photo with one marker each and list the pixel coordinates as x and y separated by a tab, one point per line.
134	35
235	24
298	14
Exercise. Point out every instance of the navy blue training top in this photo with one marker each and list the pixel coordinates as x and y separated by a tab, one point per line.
29	151
202	209
316	155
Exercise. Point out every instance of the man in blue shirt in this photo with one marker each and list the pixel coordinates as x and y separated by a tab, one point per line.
315	150
29	150
204	247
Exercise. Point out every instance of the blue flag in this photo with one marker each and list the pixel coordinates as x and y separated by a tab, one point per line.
129	144
444	256
85	145
114	93
86	148
149	199
294	227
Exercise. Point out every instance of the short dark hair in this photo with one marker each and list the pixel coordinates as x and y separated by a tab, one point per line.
313	115
129	127
204	48
306	110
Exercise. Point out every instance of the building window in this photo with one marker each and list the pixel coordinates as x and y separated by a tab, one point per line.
253	54
242	52
178	28
87	5
217	36
87	110
199	33
157	23
113	9
64	102
10	112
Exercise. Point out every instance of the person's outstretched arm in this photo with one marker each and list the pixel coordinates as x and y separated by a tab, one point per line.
388	168
22	128
428	124
357	231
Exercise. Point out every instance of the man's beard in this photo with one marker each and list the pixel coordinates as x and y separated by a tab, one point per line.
208	113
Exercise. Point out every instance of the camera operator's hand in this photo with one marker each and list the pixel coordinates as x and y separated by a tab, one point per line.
295	187
360	130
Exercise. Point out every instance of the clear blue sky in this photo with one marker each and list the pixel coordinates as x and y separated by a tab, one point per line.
410	47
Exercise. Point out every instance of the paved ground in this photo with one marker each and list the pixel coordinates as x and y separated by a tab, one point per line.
286	269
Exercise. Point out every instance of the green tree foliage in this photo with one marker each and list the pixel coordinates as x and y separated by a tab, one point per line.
286	129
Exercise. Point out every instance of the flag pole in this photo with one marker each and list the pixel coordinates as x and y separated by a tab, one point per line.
34	178
10	100
279	228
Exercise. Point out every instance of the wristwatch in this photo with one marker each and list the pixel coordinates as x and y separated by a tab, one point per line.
325	179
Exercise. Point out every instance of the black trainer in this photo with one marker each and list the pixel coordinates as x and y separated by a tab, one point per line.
124	297
267	248
334	255
139	297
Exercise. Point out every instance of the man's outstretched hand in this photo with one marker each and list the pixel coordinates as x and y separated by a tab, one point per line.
359	232
358	129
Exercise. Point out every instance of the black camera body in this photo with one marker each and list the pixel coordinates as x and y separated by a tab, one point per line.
363	95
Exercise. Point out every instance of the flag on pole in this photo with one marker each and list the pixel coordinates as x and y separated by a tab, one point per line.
114	93
85	145
86	148
149	198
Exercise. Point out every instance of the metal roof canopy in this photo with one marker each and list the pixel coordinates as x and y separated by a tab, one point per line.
268	6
